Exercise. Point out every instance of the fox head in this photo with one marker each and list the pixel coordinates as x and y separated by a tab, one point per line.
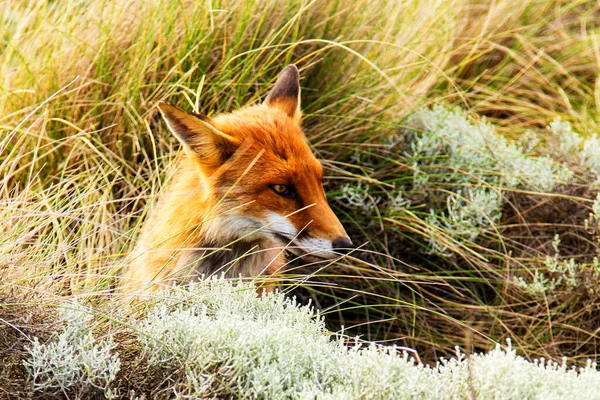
257	168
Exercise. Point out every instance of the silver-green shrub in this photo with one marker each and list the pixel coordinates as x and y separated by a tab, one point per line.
72	361
466	166
572	148
231	342
466	152
560	274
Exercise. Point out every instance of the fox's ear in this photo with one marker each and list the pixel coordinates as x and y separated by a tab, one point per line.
285	95
200	139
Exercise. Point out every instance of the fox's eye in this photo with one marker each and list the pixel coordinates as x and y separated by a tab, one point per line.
284	191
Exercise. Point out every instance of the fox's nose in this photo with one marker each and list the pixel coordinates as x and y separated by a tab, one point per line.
342	245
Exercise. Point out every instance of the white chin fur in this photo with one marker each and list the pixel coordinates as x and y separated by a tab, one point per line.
321	248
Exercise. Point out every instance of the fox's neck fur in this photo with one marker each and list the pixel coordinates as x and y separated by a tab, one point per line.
207	241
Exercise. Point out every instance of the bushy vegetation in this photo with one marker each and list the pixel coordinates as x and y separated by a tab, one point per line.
459	142
71	361
218	339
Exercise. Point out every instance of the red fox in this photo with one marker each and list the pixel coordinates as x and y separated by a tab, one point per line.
247	190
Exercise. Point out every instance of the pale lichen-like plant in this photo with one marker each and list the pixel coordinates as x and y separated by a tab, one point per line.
229	342
72	361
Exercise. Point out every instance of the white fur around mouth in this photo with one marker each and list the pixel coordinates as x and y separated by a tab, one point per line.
285	231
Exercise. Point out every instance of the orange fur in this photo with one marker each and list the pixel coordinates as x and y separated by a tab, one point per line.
220	213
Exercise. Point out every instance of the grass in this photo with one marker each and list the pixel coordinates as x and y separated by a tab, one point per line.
83	153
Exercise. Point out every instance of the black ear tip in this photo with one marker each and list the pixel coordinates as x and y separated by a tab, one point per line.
290	75
292	70
287	86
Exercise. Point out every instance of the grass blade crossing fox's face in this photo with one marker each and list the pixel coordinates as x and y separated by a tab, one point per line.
257	168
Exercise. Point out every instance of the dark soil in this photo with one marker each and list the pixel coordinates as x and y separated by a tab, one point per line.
19	324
